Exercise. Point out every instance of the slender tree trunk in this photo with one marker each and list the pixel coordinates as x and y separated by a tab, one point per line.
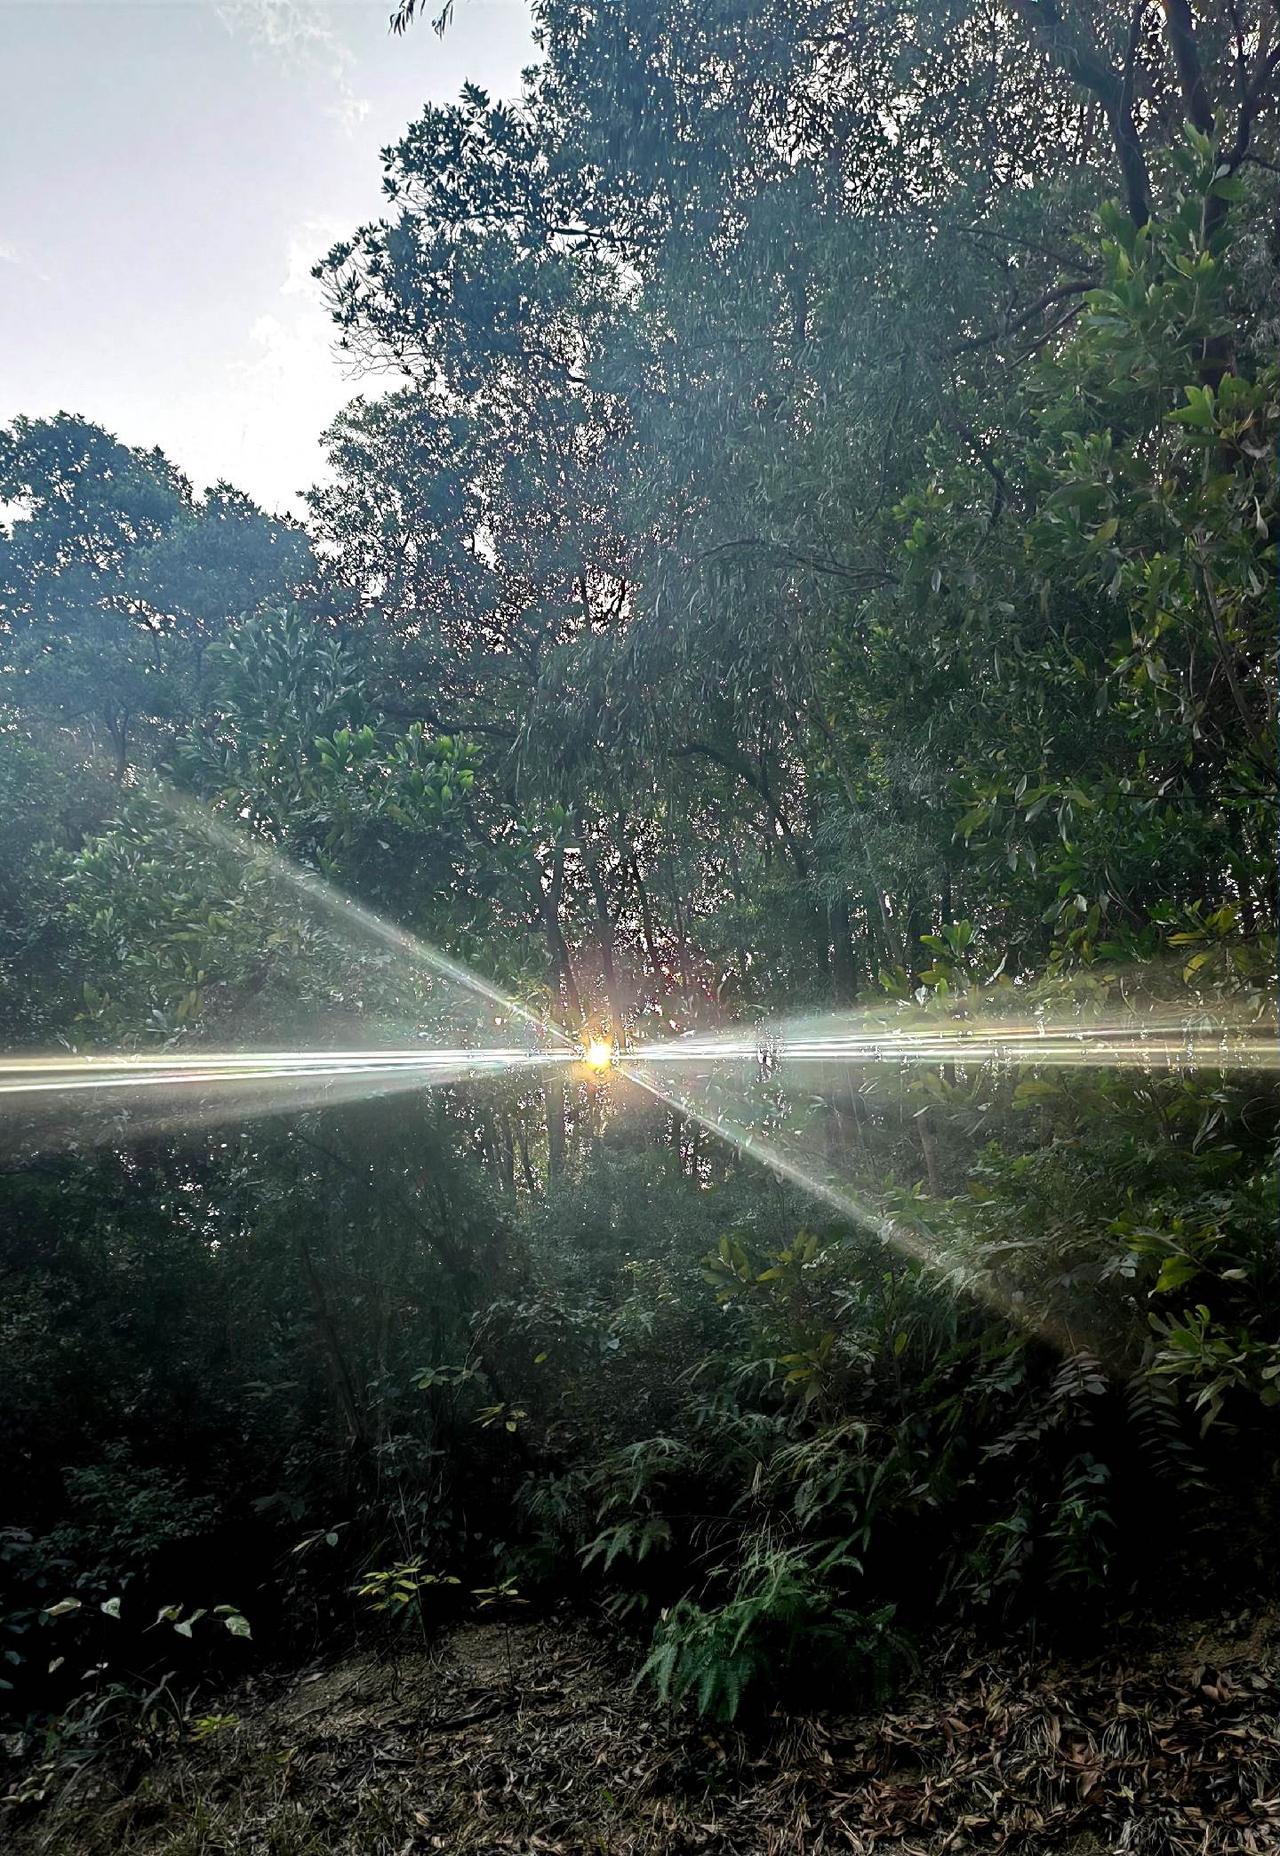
929	1150
556	944
917	924
1072	44
844	977
553	1100
339	1371
604	939
646	928
526	1167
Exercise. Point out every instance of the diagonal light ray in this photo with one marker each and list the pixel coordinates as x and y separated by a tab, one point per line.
727	1082
344	912
930	1254
391	977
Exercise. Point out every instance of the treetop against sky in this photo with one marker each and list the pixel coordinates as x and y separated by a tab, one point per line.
155	255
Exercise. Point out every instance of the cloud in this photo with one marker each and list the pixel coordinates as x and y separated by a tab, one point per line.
19	259
281	396
297	32
306	247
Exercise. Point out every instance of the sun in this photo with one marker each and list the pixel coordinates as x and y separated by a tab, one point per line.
598	1054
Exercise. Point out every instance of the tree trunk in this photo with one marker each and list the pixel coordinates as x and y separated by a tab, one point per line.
844	974
553	1100
556	944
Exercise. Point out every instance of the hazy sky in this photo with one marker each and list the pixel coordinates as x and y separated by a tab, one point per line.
169	171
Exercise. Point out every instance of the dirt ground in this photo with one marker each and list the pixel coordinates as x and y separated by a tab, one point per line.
531	1738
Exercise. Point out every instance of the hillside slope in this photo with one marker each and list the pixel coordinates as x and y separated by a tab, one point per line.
530	1738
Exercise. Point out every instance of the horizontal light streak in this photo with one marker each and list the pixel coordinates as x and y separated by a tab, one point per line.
28	1076
1127	1046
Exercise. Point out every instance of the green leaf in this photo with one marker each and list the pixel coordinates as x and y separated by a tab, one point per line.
1174	1272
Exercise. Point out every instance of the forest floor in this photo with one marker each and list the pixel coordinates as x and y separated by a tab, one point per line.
531	1739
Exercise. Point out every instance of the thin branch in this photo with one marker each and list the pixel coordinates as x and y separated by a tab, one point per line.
859	576
1058	294
759	785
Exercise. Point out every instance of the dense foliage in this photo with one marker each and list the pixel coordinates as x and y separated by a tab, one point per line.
819	548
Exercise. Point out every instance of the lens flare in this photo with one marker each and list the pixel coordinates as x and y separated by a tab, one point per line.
819	1100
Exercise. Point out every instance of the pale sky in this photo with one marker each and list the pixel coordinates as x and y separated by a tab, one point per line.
169	171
